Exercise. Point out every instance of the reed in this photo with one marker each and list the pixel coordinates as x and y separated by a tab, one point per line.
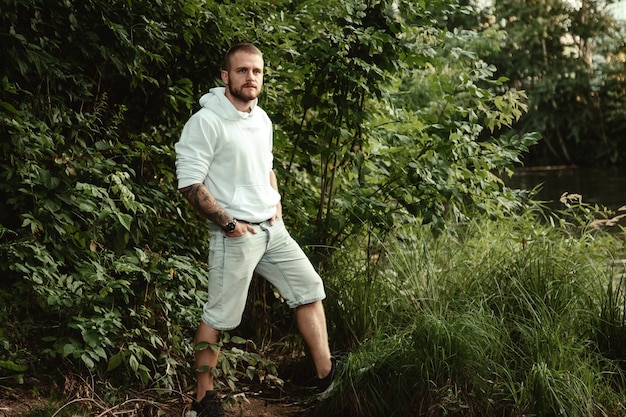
505	318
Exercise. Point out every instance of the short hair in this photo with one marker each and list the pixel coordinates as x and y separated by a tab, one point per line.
246	47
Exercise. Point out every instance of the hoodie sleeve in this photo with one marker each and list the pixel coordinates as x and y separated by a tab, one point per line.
271	155
194	151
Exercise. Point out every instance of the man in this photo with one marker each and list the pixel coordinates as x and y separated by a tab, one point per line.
224	168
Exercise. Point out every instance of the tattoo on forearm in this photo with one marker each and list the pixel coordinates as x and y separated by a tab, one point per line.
203	201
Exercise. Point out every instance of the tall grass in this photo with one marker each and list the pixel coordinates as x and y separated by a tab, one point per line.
505	318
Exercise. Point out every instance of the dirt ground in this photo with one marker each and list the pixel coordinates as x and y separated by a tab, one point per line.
261	408
23	401
64	394
27	404
253	408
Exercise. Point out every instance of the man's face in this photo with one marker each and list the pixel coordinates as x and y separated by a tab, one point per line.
244	78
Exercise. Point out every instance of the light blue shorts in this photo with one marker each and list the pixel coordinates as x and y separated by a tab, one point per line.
273	254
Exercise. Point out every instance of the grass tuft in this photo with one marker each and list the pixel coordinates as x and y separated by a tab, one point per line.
500	318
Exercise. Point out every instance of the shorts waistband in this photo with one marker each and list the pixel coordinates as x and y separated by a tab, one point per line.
253	223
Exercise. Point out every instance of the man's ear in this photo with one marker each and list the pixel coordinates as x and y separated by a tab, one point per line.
224	75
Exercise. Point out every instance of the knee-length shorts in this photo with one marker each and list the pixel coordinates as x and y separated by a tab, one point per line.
273	254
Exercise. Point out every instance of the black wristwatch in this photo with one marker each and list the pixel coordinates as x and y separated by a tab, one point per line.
230	226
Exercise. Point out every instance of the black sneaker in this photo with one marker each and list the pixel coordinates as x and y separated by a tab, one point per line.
209	406
323	384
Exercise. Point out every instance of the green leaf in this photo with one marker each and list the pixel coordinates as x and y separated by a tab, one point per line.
133	362
202	346
12	366
238	340
87	361
125	220
115	361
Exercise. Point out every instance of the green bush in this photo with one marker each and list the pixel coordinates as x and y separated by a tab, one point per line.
102	265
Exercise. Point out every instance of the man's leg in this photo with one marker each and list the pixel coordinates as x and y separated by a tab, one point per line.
286	266
205	358
312	324
232	262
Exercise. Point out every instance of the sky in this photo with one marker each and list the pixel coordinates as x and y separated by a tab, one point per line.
618	7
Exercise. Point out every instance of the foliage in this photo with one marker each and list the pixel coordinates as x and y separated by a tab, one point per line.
95	240
383	118
230	367
611	96
567	56
508	317
389	126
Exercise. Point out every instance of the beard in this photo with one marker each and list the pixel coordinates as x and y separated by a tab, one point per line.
242	93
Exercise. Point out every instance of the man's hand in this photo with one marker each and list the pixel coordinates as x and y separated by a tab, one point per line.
241	229
279	206
278	215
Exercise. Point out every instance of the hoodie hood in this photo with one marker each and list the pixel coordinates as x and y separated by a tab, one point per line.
216	101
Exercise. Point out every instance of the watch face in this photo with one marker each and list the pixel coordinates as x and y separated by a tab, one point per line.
230	226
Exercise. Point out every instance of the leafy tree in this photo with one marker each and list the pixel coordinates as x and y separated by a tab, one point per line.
611	99
554	49
370	114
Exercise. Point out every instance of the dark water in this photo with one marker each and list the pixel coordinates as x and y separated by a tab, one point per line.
602	186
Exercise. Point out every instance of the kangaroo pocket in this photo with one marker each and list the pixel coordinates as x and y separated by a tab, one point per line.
255	198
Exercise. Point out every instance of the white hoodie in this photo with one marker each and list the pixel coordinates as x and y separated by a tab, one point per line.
231	153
